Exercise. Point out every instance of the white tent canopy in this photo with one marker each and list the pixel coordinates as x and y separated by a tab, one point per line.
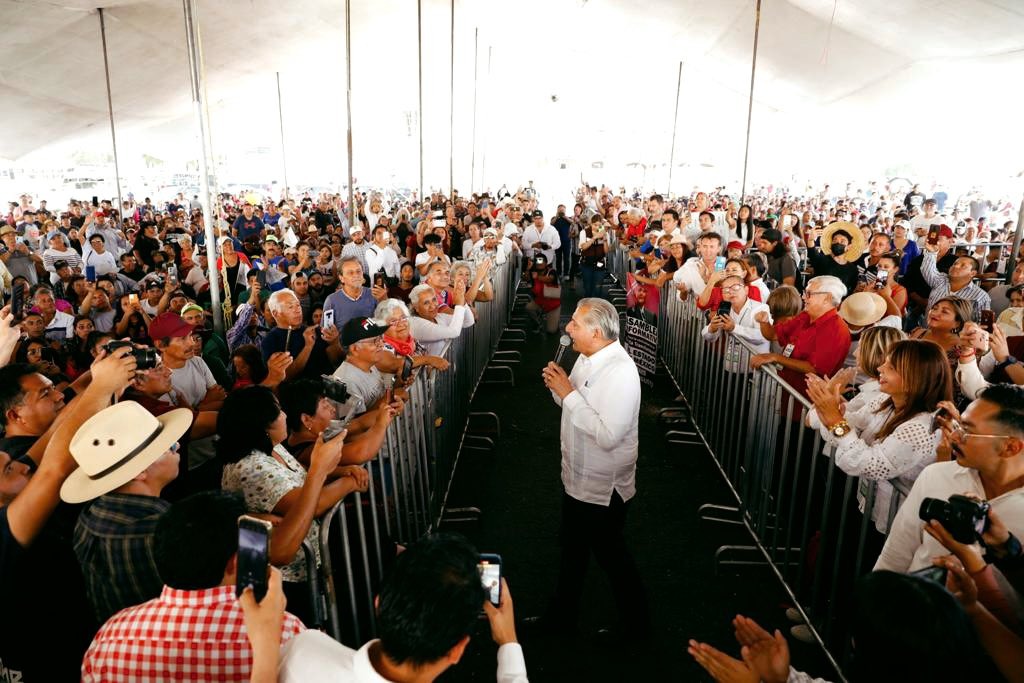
844	87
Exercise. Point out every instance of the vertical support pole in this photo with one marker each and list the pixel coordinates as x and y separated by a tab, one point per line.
348	109
210	212
419	43
750	103
487	89
675	124
280	124
451	114
472	165
1011	263
110	114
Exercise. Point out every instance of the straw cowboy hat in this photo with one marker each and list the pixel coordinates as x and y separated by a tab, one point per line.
118	443
862	309
857	242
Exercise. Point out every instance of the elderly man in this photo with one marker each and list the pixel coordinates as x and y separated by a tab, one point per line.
432	329
816	341
316	350
364	346
59	325
352	299
600	401
541	239
17	257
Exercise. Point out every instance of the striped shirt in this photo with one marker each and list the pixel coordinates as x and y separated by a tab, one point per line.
939	282
114	545
183	635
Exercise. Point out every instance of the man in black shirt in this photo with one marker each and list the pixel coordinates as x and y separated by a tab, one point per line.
316	350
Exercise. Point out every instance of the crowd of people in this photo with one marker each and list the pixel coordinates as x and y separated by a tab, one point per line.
896	318
135	433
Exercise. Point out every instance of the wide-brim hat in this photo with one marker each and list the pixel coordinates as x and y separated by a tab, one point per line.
862	309
857	242
118	443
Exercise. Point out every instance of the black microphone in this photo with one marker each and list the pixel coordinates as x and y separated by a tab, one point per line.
564	342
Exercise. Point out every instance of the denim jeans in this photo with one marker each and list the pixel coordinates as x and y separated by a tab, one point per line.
592	279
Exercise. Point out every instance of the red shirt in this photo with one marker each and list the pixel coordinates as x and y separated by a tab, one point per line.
636	230
183	635
824	344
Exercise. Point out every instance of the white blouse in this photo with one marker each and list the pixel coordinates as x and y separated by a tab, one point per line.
900	456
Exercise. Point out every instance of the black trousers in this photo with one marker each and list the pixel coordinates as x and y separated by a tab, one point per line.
588	528
563	257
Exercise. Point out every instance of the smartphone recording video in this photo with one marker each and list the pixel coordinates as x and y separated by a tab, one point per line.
490	576
933	234
253	556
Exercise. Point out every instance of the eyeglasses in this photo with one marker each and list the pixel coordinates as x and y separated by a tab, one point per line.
398	321
961	435
808	293
732	288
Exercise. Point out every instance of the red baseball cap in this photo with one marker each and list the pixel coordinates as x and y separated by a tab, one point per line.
169	325
946	231
735	244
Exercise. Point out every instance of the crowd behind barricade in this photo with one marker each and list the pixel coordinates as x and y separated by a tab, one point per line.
135	435
888	326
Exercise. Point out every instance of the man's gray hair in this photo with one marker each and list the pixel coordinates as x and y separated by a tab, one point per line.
276	301
832	285
602	315
417	293
388	306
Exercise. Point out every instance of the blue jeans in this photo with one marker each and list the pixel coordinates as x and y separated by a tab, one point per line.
592	279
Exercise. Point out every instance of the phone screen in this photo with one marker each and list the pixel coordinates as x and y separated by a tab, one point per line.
253	556
988	320
490	577
90	273
720	264
17	303
328	318
133	299
933	234
881	278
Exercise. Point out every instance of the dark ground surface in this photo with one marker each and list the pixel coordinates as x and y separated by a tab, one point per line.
517	488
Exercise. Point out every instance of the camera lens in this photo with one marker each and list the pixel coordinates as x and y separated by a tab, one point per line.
932	508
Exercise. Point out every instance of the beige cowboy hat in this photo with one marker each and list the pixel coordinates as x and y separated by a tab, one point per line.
857	243
862	309
118	443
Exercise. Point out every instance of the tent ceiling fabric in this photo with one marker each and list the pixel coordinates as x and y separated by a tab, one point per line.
51	77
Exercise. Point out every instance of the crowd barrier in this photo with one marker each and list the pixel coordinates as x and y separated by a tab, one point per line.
411	476
800	509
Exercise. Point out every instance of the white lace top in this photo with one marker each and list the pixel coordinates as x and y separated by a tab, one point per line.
900	456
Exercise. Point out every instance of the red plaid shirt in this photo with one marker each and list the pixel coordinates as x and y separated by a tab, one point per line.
180	636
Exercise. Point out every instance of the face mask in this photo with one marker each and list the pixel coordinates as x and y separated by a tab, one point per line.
838	249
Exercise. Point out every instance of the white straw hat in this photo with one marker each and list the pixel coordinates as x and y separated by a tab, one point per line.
118	443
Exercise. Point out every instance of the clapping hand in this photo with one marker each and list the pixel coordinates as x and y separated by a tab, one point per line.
765	656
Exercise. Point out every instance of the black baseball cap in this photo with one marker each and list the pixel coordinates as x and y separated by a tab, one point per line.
538	212
358	329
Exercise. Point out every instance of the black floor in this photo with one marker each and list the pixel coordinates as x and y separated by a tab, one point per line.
517	488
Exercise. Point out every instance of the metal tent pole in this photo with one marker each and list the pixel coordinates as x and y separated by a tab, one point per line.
280	123
675	123
348	109
451	114
1011	264
483	154
472	165
750	103
110	114
419	42
195	73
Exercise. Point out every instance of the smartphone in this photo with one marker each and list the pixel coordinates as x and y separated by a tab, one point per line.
90	273
328	318
987	320
335	427
172	274
95	202
720	264
253	556
17	303
133	299
936	574
933	234
489	567
723	309
881	279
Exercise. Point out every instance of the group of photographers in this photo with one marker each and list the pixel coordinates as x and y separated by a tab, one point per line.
130	449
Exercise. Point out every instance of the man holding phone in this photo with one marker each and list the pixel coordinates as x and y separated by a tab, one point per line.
600	402
959	282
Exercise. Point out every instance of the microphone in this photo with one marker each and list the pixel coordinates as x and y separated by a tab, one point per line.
564	342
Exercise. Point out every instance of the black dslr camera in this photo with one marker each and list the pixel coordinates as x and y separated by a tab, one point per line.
335	389
145	357
964	518
538	262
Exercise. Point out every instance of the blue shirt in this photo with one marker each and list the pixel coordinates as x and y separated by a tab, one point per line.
345	308
248	228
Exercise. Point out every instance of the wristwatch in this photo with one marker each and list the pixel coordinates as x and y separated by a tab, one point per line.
1010	360
840	429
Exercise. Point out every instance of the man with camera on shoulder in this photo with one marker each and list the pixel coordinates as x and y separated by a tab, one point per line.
987	443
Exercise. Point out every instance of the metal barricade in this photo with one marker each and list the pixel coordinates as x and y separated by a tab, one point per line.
799	508
412	474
